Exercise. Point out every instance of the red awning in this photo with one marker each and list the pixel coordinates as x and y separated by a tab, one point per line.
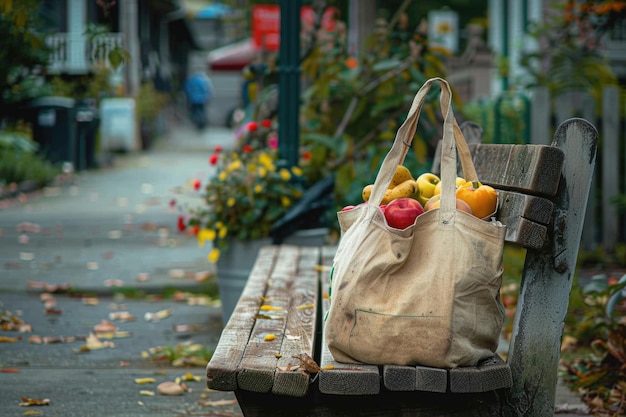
233	57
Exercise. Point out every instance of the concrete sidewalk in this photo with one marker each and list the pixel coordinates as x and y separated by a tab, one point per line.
110	227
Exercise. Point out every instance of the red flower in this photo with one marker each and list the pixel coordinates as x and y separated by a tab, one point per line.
247	148
252	126
213	159
218	148
195	230
172	202
196	185
181	224
266	123
306	155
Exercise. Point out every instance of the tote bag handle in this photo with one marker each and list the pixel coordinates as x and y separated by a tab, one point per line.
453	139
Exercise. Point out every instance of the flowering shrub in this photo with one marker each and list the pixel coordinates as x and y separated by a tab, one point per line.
245	197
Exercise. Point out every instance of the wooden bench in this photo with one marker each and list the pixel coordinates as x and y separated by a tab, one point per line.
543	196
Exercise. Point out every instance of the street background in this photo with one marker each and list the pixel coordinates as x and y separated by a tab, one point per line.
100	231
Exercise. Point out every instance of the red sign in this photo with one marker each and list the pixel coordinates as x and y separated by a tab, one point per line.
266	24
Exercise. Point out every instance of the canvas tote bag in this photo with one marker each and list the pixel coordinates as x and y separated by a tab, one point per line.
426	295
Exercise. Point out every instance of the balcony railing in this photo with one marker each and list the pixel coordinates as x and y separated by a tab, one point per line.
72	53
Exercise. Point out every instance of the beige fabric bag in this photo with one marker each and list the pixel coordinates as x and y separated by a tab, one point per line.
426	295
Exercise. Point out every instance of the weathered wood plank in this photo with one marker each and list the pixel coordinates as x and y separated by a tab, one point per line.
259	362
547	279
525	218
343	378
222	368
415	378
491	374
533	169
301	326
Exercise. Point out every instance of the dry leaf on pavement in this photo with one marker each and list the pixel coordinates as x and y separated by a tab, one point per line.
26	402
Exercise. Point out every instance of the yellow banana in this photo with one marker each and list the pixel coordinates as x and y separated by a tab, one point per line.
405	189
402	174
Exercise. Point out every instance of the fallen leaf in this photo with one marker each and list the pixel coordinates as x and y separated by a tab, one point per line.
94	343
302	307
10	371
147	393
143	276
92	266
145	380
159	315
34	339
191	377
33	413
5	339
218	403
113	283
268	307
121	316
105	327
54	311
170	388
90	301
26	402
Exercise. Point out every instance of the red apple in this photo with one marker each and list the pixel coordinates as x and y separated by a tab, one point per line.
402	212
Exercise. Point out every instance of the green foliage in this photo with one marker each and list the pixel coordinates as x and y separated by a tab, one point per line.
115	56
245	197
598	329
23	52
19	163
352	108
150	102
570	56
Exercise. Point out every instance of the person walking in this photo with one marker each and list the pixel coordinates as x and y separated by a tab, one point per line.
199	91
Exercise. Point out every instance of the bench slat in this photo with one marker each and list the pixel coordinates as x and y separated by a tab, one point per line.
533	169
343	378
259	362
222	368
301	324
526	218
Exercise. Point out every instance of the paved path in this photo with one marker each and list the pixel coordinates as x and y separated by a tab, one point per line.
113	226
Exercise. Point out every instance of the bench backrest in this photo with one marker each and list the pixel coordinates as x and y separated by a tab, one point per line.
543	196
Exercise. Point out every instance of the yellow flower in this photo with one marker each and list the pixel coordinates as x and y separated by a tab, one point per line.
297	171
266	160
285	174
222	231
219	225
204	235
236	164
223	175
262	172
258	188
214	255
231	201
285	201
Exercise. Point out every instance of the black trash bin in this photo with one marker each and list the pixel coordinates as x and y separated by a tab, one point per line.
54	128
87	122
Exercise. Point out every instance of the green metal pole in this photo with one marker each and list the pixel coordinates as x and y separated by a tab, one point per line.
289	83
